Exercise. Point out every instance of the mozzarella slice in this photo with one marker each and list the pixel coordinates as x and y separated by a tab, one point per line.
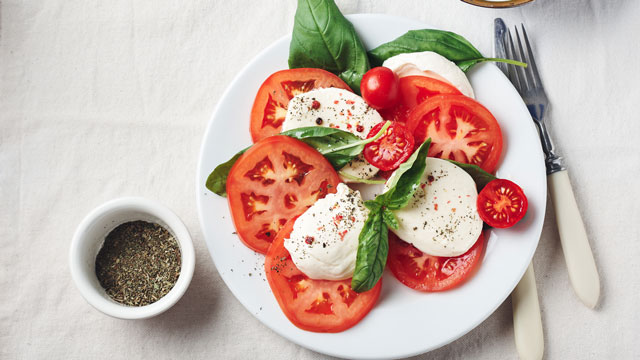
426	63
324	240
339	109
442	218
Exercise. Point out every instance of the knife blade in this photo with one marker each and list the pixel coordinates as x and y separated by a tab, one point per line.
527	322
499	49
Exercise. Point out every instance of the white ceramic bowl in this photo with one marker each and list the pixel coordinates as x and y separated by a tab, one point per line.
88	240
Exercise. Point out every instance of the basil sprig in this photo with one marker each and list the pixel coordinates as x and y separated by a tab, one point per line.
339	147
450	45
373	242
323	38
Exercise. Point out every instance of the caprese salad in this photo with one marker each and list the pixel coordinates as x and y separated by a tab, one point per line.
410	127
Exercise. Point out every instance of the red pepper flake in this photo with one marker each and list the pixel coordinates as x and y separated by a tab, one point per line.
449	202
349	126
315	104
337	219
359	128
430	179
350	102
309	240
423	185
353	218
435	198
342	234
453	210
435	207
336	102
349	112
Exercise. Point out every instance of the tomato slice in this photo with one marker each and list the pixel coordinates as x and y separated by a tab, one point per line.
414	90
423	272
270	106
392	149
502	203
276	179
314	305
460	129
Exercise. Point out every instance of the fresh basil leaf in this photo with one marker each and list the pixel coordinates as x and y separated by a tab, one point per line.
323	38
217	180
327	140
406	179
481	177
450	45
373	247
390	219
373	205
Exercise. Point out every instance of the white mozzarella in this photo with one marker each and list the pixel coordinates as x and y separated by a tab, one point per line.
428	61
324	240
339	109
442	218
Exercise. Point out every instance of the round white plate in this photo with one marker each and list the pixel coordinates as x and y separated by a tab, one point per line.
404	322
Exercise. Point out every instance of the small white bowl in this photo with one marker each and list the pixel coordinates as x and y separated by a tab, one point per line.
88	240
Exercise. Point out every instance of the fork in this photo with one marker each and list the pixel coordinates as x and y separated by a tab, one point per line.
573	237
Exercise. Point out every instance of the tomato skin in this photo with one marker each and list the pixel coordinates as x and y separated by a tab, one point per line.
415	90
408	266
379	88
392	149
270	105
456	125
276	179
314	305
502	203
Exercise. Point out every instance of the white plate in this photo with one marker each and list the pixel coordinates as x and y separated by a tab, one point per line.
405	322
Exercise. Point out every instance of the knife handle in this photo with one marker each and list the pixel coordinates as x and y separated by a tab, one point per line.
573	237
527	324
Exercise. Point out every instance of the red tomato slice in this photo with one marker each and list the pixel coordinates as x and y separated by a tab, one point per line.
423	272
392	149
276	179
502	203
460	129
415	90
314	305
270	106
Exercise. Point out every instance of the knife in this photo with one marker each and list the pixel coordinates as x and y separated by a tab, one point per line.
527	322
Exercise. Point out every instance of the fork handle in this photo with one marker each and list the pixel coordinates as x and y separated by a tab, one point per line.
527	323
573	237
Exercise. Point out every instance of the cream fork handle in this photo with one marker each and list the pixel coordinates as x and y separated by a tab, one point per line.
527	324
573	237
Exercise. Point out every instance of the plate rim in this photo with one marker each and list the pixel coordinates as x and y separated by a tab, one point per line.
200	187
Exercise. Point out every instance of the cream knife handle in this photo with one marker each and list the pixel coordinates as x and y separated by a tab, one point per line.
527	324
573	237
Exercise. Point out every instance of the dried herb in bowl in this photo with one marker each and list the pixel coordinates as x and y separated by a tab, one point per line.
138	263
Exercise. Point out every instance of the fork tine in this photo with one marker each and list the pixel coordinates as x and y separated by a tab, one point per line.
532	63
511	54
527	72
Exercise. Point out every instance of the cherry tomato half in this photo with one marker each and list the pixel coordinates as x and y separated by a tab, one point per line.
392	149
502	203
379	88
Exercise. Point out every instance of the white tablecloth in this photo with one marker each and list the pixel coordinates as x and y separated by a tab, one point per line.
101	99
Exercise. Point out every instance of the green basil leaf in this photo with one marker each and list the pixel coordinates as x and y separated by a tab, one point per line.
373	247
406	179
481	177
373	205
217	180
390	219
326	140
323	38
450	45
